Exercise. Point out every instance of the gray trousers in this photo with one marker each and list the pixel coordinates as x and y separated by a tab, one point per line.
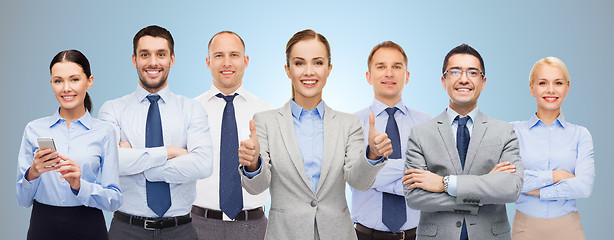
124	231
250	229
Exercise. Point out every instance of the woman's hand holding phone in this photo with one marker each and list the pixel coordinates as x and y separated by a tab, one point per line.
44	160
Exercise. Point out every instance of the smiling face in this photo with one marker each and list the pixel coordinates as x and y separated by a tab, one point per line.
227	62
388	74
549	87
153	62
309	68
70	84
463	91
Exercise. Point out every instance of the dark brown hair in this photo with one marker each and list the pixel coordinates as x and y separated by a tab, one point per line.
78	58
154	31
463	49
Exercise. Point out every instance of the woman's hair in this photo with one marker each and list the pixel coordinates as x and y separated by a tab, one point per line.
77	57
304	35
550	61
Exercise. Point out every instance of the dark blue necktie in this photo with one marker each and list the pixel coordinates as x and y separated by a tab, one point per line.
462	138
462	143
231	194
158	193
393	206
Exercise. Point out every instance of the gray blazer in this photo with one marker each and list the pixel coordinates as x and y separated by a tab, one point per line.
295	208
481	197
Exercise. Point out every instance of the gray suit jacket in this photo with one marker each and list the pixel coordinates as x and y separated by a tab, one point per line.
295	208
481	197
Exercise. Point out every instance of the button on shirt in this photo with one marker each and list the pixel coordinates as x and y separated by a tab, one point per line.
92	144
452	190
544	148
184	124
367	205
245	104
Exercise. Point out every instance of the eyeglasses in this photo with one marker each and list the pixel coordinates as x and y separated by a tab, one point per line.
456	74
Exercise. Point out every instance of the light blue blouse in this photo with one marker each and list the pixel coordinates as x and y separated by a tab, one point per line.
544	148
90	142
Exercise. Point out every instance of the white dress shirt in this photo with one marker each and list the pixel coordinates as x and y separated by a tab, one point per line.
184	124
245	104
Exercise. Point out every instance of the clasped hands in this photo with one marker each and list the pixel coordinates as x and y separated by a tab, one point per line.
432	182
379	146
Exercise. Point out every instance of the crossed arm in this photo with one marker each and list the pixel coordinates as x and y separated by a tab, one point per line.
563	185
171	164
424	189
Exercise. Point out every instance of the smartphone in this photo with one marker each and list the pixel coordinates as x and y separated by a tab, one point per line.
46	142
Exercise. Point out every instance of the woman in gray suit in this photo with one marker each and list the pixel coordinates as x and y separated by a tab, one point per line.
308	151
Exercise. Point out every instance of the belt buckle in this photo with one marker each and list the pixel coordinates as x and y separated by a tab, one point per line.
401	234
226	218
145	222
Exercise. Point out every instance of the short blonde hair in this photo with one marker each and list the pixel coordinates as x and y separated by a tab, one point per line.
550	61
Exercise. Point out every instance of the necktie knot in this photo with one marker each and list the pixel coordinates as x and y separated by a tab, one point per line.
462	121
228	98
153	98
391	110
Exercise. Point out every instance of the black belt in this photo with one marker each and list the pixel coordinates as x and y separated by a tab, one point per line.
152	223
386	235
255	213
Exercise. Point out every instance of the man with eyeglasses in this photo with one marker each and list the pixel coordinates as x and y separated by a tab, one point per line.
463	166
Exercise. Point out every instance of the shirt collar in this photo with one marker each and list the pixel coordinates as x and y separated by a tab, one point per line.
141	93
378	107
452	114
297	110
214	91
559	121
86	120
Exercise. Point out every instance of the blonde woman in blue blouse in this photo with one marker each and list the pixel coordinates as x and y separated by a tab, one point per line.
69	187
557	158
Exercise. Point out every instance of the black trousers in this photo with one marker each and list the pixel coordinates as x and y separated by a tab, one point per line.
80	222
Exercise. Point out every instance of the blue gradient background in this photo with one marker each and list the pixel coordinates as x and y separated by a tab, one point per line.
510	35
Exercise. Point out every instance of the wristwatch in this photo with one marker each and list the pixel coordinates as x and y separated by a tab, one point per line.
446	180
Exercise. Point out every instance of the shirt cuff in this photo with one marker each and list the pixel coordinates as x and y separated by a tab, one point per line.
158	155
373	162
452	186
251	175
30	184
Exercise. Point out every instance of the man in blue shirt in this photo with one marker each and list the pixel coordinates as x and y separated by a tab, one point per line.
381	211
165	147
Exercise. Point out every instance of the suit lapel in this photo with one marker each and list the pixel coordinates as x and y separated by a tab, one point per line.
479	129
445	131
331	133
286	125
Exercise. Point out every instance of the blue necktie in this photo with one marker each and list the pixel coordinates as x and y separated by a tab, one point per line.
462	138
462	143
231	194
158	193
393	206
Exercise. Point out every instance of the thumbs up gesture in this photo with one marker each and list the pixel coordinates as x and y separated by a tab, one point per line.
379	143
250	149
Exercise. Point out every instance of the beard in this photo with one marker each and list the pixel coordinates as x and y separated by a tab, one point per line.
154	85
